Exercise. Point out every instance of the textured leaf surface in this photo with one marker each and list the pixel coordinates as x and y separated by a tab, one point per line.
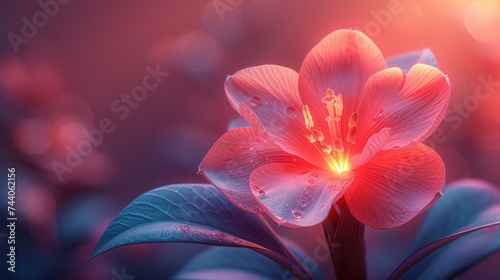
196	213
458	231
231	263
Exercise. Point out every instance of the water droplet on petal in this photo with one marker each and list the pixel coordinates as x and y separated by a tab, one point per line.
256	101
291	110
311	181
269	104
297	214
380	113
262	192
303	203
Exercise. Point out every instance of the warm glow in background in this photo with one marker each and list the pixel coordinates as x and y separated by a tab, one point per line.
67	76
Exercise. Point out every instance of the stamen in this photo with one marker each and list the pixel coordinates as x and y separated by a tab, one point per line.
326	148
337	144
351	134
353	120
309	135
318	135
307	117
339	105
329	97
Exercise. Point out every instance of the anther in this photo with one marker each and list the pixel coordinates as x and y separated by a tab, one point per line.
351	135
329	97
318	135
353	120
337	144
326	148
339	105
309	135
307	117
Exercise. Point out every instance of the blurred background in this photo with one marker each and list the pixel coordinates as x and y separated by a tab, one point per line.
101	101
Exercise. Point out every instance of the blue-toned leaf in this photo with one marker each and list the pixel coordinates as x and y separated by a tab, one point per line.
406	61
461	212
196	213
462	202
231	263
463	253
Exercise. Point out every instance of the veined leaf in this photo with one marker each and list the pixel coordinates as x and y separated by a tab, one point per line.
195	213
230	263
463	215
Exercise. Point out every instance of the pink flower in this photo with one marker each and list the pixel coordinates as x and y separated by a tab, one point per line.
345	125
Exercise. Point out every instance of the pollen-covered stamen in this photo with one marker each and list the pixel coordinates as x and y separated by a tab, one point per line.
351	134
307	117
353	120
353	128
309	135
318	135
326	148
338	146
339	107
329	97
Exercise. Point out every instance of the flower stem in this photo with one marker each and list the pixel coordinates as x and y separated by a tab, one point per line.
345	239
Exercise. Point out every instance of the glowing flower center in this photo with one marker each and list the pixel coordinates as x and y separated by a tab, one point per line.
335	154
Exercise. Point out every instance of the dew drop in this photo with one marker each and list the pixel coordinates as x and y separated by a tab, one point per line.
269	104
259	209
303	203
297	214
262	192
256	101
380	113
311	181
291	110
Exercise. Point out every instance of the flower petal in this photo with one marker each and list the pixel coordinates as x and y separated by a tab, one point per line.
372	147
267	97
395	186
233	158
343	61
297	194
411	106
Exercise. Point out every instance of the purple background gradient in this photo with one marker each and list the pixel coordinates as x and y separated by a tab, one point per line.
66	77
